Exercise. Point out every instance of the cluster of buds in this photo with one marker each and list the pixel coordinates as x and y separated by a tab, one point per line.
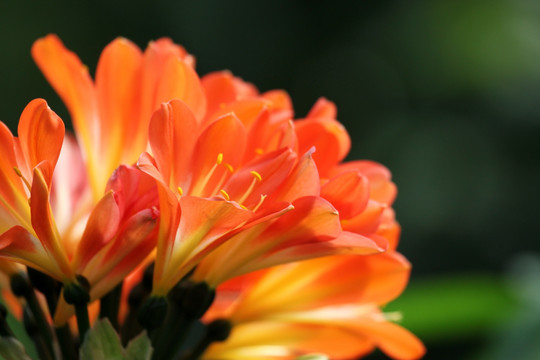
194	216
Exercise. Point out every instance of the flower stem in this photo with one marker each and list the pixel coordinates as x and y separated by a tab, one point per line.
5	330
110	304
83	320
78	295
65	341
21	287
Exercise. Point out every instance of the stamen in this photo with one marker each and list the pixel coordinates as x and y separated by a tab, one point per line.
26	182
229	167
260	203
225	195
256	175
180	191
219	159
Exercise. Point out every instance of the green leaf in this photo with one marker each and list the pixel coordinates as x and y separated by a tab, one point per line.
102	342
12	349
313	357
140	348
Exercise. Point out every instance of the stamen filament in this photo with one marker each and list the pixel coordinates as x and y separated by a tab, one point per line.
256	177
259	203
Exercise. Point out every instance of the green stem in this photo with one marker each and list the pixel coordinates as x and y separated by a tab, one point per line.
110	304
83	321
22	287
65	341
34	332
78	294
5	330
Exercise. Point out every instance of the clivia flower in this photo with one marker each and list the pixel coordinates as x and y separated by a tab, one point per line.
216	186
326	305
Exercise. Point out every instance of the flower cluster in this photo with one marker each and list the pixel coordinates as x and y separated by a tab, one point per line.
198	210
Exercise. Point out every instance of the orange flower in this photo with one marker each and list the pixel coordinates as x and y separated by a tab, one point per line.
29	235
327	305
111	115
211	196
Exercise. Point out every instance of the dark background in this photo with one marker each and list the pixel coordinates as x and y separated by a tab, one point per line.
444	93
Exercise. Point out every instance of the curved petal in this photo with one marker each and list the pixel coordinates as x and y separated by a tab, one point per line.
172	135
225	136
323	108
302	181
348	192
392	339
14	209
117	82
41	133
43	222
328	136
166	75
17	244
204	224
71	80
100	229
221	87
367	221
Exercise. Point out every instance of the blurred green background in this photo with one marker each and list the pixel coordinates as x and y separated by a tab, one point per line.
445	93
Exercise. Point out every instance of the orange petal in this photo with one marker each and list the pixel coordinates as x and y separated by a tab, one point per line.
13	197
117	83
273	169
303	181
392	339
323	108
132	244
100	229
345	243
222	87
268	134
166	76
328	136
134	190
43	221
247	111
70	79
382	189
172	136
204	225
226	136
41	133
348	192
367	221
17	244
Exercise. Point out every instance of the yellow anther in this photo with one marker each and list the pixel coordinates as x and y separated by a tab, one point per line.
19	174
180	191
229	167
259	151
225	195
18	171
243	207
256	175
219	159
